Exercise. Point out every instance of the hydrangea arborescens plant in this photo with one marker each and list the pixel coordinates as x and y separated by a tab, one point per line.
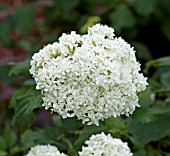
105	145
44	150
93	76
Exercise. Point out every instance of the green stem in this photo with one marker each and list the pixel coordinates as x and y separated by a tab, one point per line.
162	90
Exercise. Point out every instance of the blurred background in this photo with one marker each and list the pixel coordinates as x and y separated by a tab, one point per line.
28	25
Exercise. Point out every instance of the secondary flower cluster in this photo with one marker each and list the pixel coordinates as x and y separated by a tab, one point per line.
105	145
97	145
93	76
45	150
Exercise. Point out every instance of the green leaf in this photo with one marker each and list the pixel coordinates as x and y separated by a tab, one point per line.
116	126
3	146
117	122
165	27
10	137
5	30
3	153
57	120
15	95
160	62
19	68
26	103
143	152
164	61
4	76
122	17
69	128
88	131
145	97
144	115
152	113
168	100
152	131
25	45
165	79
68	125
154	83
46	135
144	7
160	107
65	5
23	18
50	135
29	82
110	3
27	139
142	51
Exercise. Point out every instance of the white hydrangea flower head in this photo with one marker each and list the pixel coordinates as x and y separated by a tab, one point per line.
105	145
101	30
44	150
93	77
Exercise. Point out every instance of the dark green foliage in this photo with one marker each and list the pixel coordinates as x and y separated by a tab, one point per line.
122	17
27	140
23	18
88	131
145	7
20	68
151	131
5	30
30	27
25	104
8	142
